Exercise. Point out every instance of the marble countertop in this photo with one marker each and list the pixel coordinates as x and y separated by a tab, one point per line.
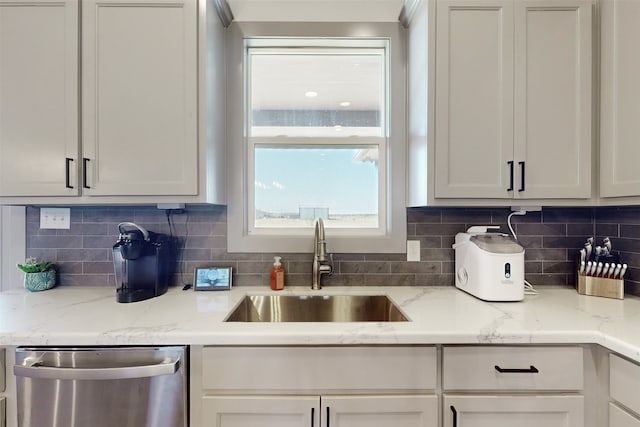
439	315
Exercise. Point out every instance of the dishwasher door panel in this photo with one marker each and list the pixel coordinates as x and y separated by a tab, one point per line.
101	387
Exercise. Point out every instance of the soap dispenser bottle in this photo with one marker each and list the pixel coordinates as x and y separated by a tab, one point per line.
277	275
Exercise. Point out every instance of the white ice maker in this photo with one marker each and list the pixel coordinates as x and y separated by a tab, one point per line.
489	265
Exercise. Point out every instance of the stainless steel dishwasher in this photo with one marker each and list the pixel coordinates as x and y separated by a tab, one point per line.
102	387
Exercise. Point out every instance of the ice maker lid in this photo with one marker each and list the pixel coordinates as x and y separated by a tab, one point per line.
497	243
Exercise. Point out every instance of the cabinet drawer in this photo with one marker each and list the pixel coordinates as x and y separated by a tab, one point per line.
512	368
624	382
406	368
618	417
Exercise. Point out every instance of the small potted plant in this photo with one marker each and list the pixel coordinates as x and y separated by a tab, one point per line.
38	275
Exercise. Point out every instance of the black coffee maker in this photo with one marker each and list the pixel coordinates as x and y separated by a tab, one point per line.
143	262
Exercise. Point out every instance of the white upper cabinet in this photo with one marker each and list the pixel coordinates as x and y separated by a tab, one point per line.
38	97
513	99
139	91
474	98
620	98
553	85
134	129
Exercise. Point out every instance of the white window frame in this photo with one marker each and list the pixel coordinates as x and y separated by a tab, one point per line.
392	171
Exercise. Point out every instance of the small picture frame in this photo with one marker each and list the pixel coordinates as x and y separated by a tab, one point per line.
212	279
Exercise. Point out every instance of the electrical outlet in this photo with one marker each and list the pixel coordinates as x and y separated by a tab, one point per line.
413	250
59	218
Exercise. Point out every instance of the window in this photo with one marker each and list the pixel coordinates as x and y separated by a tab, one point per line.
316	130
311	137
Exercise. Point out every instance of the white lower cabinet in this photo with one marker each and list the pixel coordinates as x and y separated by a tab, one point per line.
624	382
399	386
618	417
335	411
524	386
508	411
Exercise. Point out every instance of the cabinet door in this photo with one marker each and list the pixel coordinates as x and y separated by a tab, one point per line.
380	411
624	380
3	415
552	130
260	411
140	97
621	418
474	98
509	411
38	97
620	98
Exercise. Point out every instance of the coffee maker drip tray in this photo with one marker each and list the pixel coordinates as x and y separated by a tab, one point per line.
134	295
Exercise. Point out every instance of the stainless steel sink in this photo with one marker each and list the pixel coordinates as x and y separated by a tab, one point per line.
316	308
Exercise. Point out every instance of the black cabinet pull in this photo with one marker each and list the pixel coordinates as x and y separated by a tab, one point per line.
531	370
67	168
328	422
510	163
521	176
313	414
454	415
85	162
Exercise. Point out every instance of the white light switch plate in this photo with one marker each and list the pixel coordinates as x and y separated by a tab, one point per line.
59	218
413	250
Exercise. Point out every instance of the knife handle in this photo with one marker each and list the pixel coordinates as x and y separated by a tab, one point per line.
598	269
616	272
623	270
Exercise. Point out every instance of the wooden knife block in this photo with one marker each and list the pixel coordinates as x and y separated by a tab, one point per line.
600	286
